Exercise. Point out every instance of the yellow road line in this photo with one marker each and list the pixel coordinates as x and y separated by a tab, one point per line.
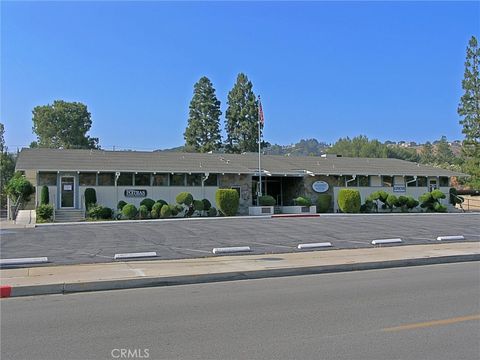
433	323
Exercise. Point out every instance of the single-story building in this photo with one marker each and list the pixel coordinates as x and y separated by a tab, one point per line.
134	175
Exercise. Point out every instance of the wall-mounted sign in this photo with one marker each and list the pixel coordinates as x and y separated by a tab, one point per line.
399	188
67	187
135	193
320	186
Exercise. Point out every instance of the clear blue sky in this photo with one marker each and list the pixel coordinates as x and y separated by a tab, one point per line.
391	70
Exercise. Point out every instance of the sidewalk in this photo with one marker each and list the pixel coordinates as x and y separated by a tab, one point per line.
135	274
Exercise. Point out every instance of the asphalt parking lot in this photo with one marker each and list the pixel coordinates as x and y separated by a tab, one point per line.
97	242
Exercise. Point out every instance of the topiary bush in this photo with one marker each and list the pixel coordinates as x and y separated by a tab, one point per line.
349	200
148	203
155	213
227	201
411	203
129	211
454	198
266	200
166	211
381	196
163	202
18	186
120	205
143	212
44	212
430	201
44	195
206	204
369	206
99	212
184	198
198	205
392	201
90	197
212	212
324	202
302	201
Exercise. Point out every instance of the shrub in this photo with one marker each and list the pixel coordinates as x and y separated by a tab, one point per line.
129	211
381	196
90	197
166	211
143	211
324	202
99	212
175	209
212	212
45	212
302	201
198	205
438	194
349	200
148	203
227	201
184	198
206	204
44	195
369	206
162	202
440	208
155	213
454	198
411	203
18	186
430	201
266	200
121	204
392	201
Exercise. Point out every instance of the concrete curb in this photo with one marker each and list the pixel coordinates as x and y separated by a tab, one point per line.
69	288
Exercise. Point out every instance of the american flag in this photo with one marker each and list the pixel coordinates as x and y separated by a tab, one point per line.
260	111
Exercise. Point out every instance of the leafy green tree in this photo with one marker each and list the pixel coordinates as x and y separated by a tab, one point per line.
7	167
242	117
203	130
63	125
427	154
443	152
359	146
469	110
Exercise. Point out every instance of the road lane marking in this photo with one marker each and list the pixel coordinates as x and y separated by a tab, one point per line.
433	323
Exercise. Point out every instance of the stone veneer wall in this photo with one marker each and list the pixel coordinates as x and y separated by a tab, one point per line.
228	181
308	191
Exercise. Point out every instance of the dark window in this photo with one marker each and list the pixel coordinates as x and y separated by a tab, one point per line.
47	178
160	180
87	179
106	179
410	181
351	181
194	180
374	179
212	180
443	181
125	179
387	181
142	179
363	180
422	181
177	179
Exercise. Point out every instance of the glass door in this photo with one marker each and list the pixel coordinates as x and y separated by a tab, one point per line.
68	192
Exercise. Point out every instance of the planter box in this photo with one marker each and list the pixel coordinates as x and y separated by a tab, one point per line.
260	210
299	209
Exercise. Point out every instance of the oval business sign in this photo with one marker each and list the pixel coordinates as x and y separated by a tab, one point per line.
320	186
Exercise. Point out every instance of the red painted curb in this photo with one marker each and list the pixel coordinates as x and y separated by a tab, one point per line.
5	291
295	215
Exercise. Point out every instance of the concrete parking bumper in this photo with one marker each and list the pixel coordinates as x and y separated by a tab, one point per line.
123	275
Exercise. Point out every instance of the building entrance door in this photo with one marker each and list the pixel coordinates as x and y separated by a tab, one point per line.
67	192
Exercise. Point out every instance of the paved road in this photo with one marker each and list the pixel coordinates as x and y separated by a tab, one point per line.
377	314
196	238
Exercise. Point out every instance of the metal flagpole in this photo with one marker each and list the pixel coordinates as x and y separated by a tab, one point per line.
259	151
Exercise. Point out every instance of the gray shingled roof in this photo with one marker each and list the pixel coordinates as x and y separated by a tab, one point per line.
100	160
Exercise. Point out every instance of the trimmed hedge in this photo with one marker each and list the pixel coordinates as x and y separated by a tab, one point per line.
166	211
143	211
163	202
90	197
198	205
44	195
349	200
148	203
44	212
302	201
129	211
184	198
227	201
120	205
206	204
99	212
267	200
155	213
324	202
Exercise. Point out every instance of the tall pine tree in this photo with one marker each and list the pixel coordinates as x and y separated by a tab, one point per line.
242	117
203	130
469	110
